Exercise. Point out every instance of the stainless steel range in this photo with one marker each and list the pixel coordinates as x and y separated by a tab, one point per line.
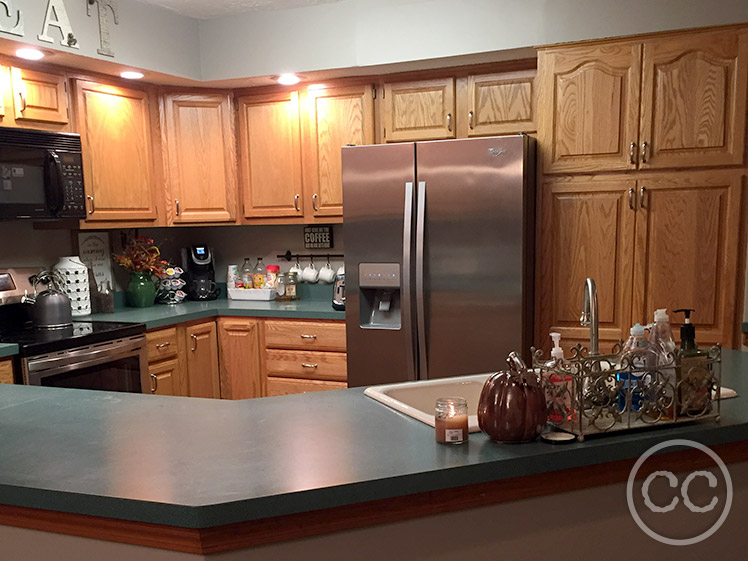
94	355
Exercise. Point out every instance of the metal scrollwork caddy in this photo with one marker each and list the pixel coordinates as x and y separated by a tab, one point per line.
591	394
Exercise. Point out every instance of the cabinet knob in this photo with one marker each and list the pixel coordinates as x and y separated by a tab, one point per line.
93	205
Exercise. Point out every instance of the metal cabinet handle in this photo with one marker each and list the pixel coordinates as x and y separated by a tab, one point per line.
296	201
93	205
632	153
449	122
470	119
314	201
308	365
176	201
644	152
194	342
162	345
308	336
23	101
632	205
642	193
154	383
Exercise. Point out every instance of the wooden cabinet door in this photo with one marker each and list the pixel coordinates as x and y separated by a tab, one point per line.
164	377
423	110
6	371
239	345
589	111
39	96
201	343
499	104
270	155
287	386
201	157
687	234
115	128
587	230
694	100
335	117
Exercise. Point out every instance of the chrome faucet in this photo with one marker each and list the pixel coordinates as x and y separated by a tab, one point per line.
590	314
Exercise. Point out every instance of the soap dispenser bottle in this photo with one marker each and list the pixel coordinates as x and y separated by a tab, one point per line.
640	356
694	379
559	387
663	344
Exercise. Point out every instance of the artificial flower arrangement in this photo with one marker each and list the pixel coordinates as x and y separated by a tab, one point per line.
140	255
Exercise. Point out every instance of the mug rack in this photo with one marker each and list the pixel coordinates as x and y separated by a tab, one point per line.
288	256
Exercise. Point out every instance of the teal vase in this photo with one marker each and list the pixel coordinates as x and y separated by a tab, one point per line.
141	292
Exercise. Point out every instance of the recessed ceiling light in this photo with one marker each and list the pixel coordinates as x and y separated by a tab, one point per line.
29	54
288	79
131	75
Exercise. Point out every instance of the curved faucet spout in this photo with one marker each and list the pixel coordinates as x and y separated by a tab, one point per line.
590	314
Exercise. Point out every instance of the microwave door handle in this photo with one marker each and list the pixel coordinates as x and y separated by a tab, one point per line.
53	181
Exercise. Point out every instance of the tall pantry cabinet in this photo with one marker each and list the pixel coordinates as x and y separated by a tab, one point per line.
619	124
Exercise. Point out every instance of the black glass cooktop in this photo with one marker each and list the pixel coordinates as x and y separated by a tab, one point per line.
33	341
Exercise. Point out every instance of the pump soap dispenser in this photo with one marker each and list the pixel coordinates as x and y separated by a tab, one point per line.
558	390
694	378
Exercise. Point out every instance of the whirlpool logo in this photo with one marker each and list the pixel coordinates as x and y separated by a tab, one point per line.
497	151
704	497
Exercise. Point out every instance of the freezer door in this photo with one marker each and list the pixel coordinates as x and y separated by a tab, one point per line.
474	307
378	209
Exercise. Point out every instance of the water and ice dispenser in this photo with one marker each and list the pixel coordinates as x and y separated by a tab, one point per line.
379	285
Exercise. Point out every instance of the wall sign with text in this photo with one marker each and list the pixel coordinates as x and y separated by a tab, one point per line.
318	237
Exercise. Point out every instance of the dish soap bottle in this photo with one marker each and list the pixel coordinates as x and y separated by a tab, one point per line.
661	339
694	379
639	355
558	386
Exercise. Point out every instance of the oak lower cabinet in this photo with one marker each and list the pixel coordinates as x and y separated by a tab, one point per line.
653	241
166	363
201	158
201	357
665	102
239	357
6	371
304	356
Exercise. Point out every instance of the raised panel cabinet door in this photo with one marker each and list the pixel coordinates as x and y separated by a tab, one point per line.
589	107
201	343
163	376
687	239
201	157
694	100
115	128
270	155
336	117
6	371
501	104
587	230
39	96
422	110
239	349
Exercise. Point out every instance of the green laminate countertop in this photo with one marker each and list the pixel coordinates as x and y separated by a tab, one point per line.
8	349
199	462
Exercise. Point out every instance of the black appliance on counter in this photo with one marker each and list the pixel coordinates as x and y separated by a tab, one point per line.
41	174
91	355
199	272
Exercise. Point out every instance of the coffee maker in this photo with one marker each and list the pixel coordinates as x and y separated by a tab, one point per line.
199	272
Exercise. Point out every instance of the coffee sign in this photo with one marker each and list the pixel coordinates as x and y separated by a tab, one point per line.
318	237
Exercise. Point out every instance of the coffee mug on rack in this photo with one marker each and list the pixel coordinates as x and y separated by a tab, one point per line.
310	274
327	274
296	269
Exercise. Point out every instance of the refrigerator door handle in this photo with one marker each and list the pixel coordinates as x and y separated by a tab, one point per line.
406	287
420	302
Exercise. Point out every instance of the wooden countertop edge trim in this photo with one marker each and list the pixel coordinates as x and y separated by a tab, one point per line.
254	533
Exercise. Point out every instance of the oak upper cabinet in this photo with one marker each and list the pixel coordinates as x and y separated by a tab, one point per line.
592	220
687	238
201	344
115	125
494	104
694	100
270	155
39	97
589	111
335	117
201	158
239	349
421	110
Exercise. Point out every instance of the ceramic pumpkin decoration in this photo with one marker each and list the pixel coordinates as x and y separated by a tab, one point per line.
512	404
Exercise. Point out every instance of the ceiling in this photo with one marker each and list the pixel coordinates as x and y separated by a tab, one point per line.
202	9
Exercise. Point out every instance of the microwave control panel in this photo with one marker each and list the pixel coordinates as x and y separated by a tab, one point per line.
74	199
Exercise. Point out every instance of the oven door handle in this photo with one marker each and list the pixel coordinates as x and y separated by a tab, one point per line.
35	376
81	358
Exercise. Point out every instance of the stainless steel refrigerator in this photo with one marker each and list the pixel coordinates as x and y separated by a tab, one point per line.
439	257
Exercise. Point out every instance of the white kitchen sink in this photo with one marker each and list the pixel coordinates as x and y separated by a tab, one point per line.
417	399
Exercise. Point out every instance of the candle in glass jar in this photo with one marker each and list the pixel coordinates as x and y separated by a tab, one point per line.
451	420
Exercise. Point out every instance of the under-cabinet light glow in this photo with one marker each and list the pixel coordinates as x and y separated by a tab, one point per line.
30	54
288	79
131	75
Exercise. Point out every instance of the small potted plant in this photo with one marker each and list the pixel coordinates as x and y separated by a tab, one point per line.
141	258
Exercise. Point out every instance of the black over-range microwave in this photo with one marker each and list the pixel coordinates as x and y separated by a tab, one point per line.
41	175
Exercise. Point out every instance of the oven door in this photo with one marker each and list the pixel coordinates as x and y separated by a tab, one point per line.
120	366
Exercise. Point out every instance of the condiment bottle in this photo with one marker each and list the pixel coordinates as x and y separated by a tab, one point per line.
281	294
451	420
258	274
291	286
245	274
271	276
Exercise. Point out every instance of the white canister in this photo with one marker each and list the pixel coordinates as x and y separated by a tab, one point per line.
75	274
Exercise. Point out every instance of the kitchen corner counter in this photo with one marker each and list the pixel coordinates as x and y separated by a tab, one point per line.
8	349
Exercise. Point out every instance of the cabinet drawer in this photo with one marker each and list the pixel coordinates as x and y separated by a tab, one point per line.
285	386
162	344
310	365
163	378
6	371
305	335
